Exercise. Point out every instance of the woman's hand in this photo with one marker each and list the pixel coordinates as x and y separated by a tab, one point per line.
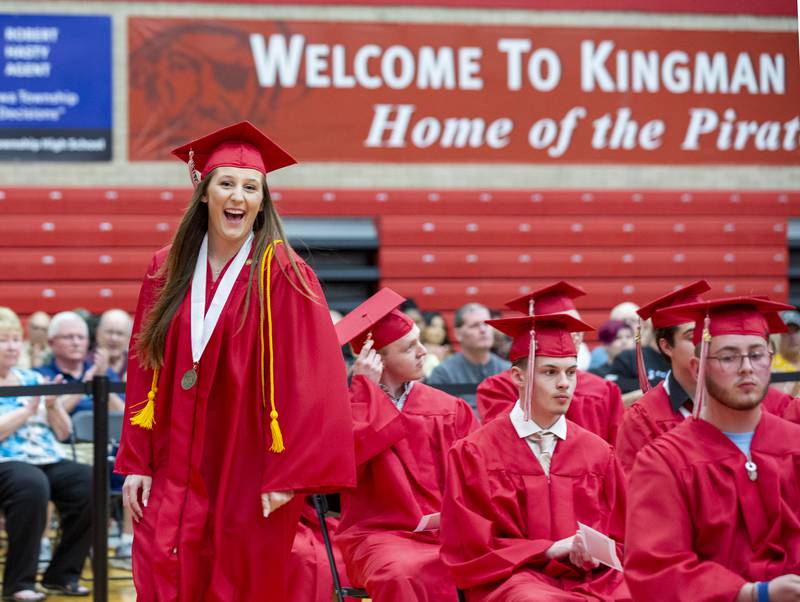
130	494
273	500
369	363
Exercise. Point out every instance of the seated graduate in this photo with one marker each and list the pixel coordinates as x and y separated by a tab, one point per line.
403	430
596	404
714	511
308	571
670	402
517	487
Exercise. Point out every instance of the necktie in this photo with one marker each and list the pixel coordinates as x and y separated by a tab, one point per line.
545	441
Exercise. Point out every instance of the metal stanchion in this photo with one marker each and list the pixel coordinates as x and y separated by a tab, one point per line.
100	391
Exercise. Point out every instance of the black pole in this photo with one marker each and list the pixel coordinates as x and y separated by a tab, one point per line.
321	506
100	390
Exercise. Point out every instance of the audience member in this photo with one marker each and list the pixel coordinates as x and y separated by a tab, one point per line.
475	362
434	338
111	342
615	336
35	350
32	472
787	359
623	312
68	335
624	371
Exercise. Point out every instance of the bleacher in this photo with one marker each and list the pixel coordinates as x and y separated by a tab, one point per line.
89	247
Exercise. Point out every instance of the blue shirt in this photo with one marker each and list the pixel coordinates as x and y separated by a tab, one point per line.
34	442
50	371
741	440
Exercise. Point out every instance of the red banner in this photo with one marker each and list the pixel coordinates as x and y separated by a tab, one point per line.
464	93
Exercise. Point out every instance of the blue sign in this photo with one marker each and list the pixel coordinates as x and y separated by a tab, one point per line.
55	88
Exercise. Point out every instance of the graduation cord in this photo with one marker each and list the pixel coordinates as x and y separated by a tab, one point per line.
146	417
275	429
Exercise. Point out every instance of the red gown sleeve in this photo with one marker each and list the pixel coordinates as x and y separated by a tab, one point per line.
496	395
377	424
135	448
465	420
480	544
311	394
631	437
660	563
616	411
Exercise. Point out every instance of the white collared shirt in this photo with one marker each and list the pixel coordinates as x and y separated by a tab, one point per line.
526	428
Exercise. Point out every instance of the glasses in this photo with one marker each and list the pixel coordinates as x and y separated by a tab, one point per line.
733	362
71	337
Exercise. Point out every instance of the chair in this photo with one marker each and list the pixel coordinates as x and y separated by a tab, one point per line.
321	506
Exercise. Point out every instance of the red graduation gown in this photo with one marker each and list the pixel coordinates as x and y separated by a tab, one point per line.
401	459
309	572
782	404
698	528
501	514
203	536
652	415
596	404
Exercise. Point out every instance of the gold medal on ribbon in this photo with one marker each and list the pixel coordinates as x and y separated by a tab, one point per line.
189	379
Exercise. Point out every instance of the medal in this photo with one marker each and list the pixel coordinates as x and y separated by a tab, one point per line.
202	322
752	470
189	379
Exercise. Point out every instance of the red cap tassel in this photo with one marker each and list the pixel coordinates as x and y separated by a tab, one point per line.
700	390
527	394
641	369
193	175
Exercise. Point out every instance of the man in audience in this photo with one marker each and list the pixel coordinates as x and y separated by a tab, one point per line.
517	488
714	510
68	336
475	361
35	351
112	338
389	525
597	403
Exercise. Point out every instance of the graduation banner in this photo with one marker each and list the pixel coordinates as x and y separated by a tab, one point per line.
451	93
55	88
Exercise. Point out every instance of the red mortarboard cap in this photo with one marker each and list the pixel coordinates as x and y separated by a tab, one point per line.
552	334
377	316
239	145
686	294
551	299
732	315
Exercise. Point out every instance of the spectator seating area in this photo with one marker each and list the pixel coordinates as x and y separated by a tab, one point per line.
89	247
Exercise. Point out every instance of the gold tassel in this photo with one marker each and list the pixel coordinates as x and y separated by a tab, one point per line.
277	446
146	417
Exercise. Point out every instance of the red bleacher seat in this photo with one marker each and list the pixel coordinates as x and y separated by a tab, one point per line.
67	247
589	231
574	263
86	231
602	293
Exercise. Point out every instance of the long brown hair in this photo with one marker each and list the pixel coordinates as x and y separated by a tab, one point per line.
178	269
